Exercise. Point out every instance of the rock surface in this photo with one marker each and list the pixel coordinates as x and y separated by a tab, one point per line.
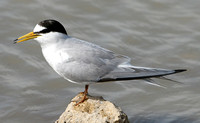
92	110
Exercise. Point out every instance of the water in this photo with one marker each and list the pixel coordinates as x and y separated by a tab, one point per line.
153	33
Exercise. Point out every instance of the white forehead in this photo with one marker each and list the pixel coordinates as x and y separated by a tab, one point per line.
38	28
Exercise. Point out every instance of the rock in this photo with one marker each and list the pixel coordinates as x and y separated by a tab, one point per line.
92	110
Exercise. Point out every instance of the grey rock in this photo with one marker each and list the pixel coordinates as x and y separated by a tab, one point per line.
92	110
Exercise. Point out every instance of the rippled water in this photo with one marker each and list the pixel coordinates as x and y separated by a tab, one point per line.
153	33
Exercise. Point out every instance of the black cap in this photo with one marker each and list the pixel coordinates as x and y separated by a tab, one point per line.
52	26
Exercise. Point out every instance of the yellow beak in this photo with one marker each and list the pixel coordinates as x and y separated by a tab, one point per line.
26	37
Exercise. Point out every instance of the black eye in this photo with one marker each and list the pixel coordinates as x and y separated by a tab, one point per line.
44	31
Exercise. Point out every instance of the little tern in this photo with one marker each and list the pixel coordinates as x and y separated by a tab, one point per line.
82	62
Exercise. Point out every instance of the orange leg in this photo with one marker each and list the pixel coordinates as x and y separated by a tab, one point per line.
84	95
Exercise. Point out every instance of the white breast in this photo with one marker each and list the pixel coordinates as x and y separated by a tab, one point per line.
55	56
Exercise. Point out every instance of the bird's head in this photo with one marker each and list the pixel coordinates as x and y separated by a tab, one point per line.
41	29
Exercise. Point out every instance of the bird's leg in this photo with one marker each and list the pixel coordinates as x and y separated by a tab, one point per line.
84	95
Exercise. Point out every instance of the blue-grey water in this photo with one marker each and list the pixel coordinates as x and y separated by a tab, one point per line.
154	33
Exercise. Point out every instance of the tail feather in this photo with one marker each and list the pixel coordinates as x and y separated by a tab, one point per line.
165	78
152	82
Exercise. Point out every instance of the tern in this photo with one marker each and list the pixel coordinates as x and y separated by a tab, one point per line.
82	62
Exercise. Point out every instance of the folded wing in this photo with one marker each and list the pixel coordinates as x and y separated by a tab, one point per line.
129	72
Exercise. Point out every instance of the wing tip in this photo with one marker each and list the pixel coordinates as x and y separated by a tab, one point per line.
179	70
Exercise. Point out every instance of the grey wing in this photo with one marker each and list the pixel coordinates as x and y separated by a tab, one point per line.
129	72
89	63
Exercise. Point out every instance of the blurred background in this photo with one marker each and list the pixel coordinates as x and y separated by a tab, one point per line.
153	33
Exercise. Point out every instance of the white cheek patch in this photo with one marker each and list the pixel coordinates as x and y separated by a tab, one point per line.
38	28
